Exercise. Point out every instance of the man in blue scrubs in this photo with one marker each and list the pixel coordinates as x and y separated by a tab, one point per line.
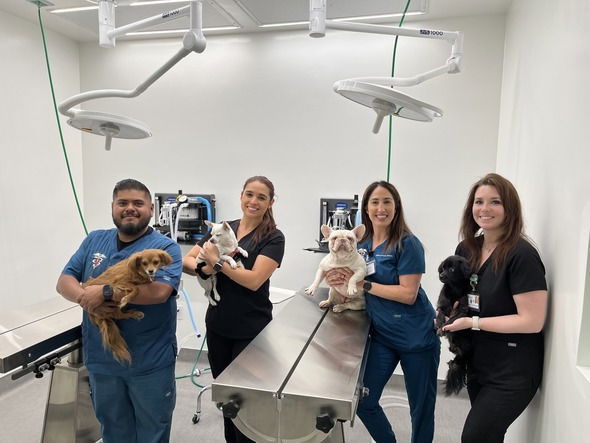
133	402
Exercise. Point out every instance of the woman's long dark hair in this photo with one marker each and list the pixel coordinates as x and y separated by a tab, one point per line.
398	227
268	224
513	226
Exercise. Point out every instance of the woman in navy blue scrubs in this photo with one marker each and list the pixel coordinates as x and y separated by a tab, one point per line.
401	316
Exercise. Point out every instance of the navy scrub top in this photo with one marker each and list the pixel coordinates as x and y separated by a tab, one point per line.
404	327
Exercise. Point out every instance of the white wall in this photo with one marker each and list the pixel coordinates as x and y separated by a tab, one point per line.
39	224
263	104
543	148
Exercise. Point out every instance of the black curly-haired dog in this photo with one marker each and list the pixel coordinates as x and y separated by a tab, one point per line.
454	273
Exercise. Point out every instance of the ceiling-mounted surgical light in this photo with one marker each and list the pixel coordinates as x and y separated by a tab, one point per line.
376	92
116	126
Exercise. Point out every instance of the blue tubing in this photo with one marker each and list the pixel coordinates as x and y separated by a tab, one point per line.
357	218
207	204
190	313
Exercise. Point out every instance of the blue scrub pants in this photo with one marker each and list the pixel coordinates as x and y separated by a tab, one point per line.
420	373
136	409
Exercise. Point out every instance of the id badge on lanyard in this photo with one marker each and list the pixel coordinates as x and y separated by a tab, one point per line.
473	295
369	261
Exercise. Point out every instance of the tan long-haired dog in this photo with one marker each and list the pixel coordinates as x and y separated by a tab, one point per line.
125	276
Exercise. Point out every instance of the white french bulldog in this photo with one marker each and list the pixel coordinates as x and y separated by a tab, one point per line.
343	253
224	238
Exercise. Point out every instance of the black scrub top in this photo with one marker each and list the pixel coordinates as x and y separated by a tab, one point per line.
242	313
522	271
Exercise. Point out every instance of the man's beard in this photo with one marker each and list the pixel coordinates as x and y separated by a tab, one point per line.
131	228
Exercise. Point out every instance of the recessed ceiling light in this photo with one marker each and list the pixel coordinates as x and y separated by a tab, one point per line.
369	17
156	2
276	25
343	19
66	10
181	31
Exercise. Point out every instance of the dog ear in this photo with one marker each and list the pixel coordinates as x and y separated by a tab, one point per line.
326	231
226	226
134	264
208	223
165	258
359	231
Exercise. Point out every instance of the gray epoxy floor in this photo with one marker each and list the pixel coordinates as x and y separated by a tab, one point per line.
23	406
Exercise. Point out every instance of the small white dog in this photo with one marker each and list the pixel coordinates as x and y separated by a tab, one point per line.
343	253
224	238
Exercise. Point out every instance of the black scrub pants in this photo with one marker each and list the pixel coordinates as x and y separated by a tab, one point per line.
503	377
221	352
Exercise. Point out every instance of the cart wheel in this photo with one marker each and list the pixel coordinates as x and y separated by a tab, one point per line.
196	418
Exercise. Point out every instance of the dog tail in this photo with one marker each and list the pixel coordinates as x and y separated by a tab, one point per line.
112	338
456	376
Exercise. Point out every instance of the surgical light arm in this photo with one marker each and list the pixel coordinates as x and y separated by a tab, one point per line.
111	125
367	90
452	66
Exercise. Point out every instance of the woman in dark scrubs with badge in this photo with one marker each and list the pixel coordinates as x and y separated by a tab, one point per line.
401	315
506	365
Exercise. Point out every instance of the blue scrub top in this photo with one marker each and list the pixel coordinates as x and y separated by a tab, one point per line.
151	340
404	327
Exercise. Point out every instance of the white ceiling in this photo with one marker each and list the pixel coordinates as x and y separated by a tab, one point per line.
248	15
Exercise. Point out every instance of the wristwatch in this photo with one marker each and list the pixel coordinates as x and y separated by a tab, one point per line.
217	266
367	286
475	326
107	293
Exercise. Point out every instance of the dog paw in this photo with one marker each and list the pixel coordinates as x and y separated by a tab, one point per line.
352	290
310	291
212	302
339	308
233	265
324	304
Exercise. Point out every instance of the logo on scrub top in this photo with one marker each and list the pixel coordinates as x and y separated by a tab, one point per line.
97	259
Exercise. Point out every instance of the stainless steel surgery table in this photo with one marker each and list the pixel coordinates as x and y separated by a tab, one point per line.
34	339
300	377
29	333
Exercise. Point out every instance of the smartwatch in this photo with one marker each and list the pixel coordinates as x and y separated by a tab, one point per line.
367	286
107	293
217	266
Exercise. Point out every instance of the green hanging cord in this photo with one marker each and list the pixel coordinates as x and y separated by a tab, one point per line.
401	22
58	123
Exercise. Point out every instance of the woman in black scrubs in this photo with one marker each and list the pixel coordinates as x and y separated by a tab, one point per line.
245	307
506	365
